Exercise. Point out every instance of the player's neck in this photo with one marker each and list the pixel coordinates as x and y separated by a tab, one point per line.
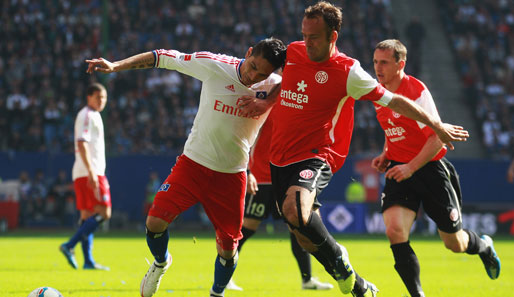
330	54
395	83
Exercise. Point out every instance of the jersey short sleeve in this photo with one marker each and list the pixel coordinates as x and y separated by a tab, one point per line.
83	126
426	102
360	85
200	65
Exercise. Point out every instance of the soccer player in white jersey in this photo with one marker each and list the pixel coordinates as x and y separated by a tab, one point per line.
311	141
417	173
93	196
212	169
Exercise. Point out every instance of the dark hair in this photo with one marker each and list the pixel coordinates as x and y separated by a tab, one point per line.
332	15
94	87
399	50
271	49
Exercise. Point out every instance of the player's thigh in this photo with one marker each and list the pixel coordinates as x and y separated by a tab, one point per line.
400	193
179	191
260	205
224	205
312	175
101	203
81	193
442	202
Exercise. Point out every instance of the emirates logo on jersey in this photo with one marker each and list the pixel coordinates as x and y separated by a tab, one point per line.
321	77
306	174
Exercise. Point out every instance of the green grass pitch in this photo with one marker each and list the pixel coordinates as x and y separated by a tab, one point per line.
266	267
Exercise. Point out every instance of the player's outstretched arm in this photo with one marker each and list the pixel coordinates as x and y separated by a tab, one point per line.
140	61
446	132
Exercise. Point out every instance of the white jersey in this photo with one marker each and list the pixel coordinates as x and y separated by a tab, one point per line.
89	128
220	138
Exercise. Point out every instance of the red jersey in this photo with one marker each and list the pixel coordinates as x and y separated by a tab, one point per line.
259	154
314	111
406	137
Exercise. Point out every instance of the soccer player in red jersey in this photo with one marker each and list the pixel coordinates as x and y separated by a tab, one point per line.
259	204
310	142
417	173
212	169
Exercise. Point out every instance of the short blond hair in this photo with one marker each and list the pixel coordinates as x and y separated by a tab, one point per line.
399	50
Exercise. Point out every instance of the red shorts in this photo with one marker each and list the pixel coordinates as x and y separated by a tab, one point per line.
221	195
86	198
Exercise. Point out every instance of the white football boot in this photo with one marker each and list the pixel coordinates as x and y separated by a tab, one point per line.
153	276
314	284
232	286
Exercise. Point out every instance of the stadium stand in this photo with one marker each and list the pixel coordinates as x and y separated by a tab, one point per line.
482	36
149	112
43	79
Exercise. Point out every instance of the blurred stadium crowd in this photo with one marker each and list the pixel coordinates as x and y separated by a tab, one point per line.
482	36
43	80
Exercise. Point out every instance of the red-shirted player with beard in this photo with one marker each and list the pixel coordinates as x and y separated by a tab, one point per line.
311	138
417	172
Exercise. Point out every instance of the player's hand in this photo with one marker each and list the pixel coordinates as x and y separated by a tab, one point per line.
448	133
100	65
251	184
94	184
399	172
380	163
251	106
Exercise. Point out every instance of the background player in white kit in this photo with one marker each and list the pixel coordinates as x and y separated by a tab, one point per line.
212	169
93	196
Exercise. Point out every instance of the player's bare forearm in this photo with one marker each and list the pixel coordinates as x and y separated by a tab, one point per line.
139	61
406	107
431	147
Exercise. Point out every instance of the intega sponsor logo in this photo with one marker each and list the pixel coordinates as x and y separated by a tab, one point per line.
395	131
296	97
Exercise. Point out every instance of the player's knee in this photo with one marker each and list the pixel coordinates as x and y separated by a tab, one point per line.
397	233
155	224
229	261
290	213
226	243
107	214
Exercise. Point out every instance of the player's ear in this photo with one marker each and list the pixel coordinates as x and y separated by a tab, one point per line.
333	36
402	64
248	52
